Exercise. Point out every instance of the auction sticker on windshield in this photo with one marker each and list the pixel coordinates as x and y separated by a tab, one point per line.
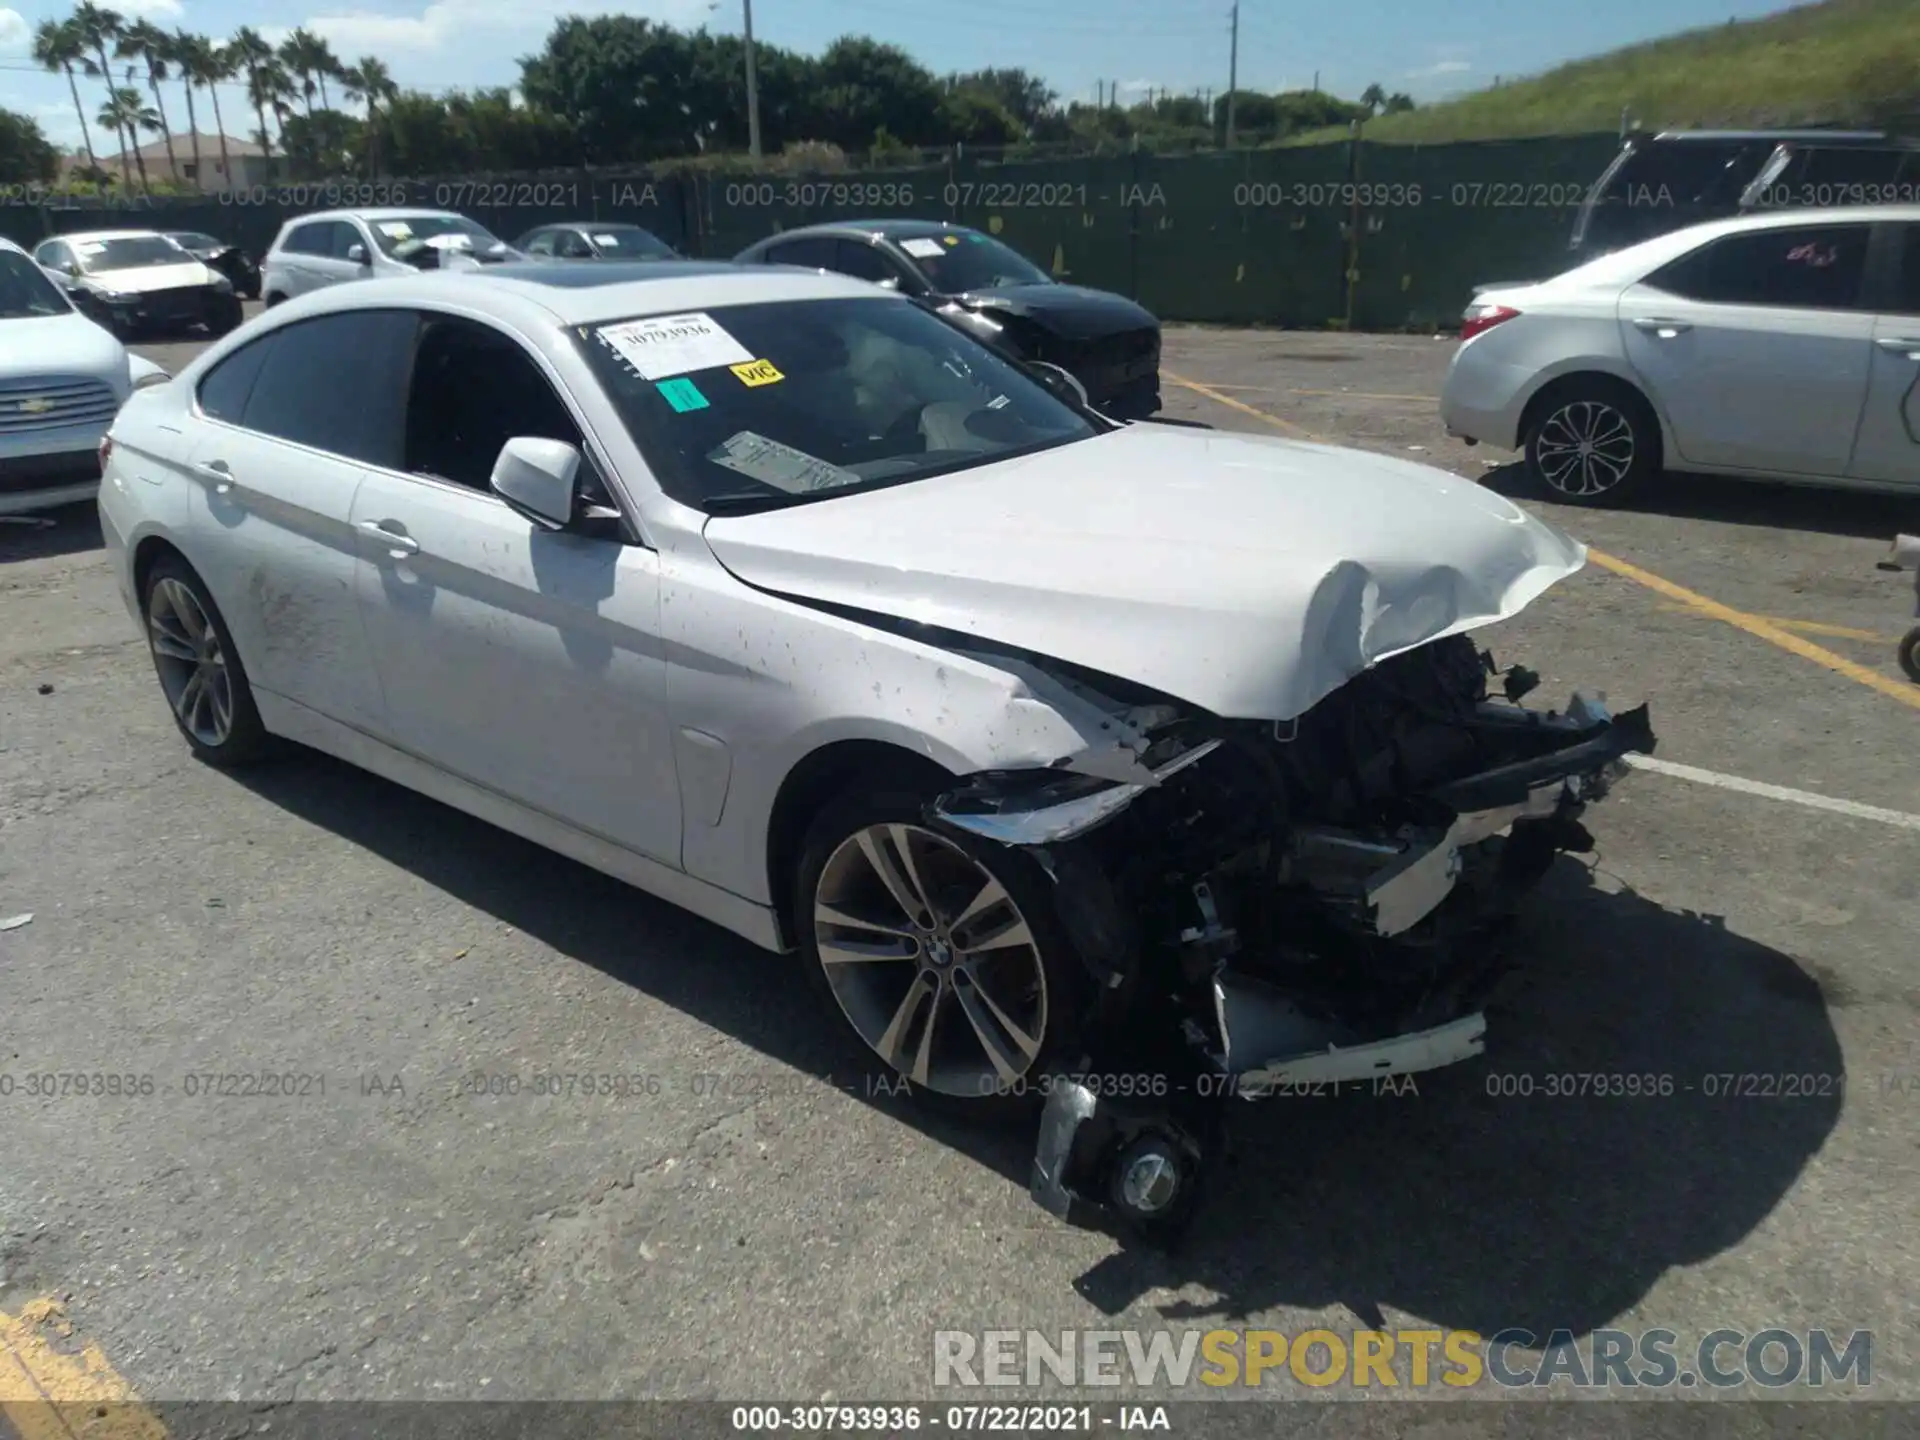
780	466
667	345
396	229
922	249
758	372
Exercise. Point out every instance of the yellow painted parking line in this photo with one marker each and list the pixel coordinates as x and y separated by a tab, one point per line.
49	1393
1811	627
1755	625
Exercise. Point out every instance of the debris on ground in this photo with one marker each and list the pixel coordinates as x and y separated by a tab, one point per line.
46	688
14	922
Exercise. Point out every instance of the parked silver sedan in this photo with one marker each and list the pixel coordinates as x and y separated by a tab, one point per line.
1059	748
1784	346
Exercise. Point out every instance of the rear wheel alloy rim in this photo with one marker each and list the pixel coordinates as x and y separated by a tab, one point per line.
192	666
931	961
1585	448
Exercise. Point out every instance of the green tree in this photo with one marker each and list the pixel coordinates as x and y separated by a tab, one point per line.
59	46
324	145
861	87
250	52
371	82
26	157
127	112
1374	98
311	61
153	47
97	29
1399	104
205	65
629	88
1024	96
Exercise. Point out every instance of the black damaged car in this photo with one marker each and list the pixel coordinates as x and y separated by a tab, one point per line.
1105	341
230	260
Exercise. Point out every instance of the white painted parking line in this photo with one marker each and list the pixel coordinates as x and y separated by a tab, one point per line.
1807	798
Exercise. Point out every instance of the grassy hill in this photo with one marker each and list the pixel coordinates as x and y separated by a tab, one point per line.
1851	61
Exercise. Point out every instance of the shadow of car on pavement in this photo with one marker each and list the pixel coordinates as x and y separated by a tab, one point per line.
1459	1197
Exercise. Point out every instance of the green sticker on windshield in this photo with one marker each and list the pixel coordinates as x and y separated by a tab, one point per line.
682	394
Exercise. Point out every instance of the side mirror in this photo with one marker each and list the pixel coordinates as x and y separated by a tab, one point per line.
72	267
891	282
357	254
1062	383
539	479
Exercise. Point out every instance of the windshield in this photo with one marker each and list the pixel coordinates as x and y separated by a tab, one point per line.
964	260
454	230
630	242
127	252
25	291
193	240
751	407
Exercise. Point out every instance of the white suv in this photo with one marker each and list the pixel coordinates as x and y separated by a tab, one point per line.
324	249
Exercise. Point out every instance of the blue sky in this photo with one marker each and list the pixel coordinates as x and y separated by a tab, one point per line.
1421	46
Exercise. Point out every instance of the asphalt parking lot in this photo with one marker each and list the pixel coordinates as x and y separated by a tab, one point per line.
756	1228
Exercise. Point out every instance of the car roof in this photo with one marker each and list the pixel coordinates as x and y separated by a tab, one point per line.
568	295
104	235
899	227
1840	137
1632	261
390	212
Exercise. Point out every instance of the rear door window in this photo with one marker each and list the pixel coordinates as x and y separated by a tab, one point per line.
339	384
1812	267
1906	294
814	253
227	386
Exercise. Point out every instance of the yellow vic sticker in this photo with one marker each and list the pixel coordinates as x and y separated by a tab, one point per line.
757	372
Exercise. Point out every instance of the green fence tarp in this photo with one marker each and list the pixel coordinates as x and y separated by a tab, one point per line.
1377	236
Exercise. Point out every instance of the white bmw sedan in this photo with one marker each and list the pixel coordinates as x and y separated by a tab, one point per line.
1055	747
1784	346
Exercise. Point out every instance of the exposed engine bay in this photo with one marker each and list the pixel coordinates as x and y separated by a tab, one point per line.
1271	904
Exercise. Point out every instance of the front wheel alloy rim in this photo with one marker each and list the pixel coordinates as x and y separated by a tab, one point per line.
192	666
931	960
1585	448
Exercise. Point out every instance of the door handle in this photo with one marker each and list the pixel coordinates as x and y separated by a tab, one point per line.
1665	329
399	545
1897	346
218	473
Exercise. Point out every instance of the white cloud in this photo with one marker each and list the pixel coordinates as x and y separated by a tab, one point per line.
365	32
150	9
15	33
1440	67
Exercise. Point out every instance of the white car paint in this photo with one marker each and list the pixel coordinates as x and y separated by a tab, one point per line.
1353	569
1771	391
286	273
52	361
640	706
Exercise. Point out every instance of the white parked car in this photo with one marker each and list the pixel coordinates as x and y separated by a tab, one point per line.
1053	745
62	378
1784	346
333	246
140	282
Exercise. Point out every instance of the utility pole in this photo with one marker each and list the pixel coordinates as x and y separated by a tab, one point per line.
1233	70
753	85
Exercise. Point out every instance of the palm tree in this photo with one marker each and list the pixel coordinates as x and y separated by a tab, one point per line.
1373	97
372	82
250	52
127	111
309	57
96	27
58	46
147	42
205	64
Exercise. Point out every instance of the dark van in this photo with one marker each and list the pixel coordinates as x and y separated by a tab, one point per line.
1663	182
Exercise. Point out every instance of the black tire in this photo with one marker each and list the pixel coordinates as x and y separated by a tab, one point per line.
1593	442
1066	985
245	738
274	299
1910	654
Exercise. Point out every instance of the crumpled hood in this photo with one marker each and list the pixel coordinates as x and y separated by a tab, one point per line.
145	279
1248	575
1068	310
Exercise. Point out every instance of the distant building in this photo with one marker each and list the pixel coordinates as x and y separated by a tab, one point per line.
249	163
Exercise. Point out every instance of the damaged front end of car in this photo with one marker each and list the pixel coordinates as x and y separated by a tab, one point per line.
1271	905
